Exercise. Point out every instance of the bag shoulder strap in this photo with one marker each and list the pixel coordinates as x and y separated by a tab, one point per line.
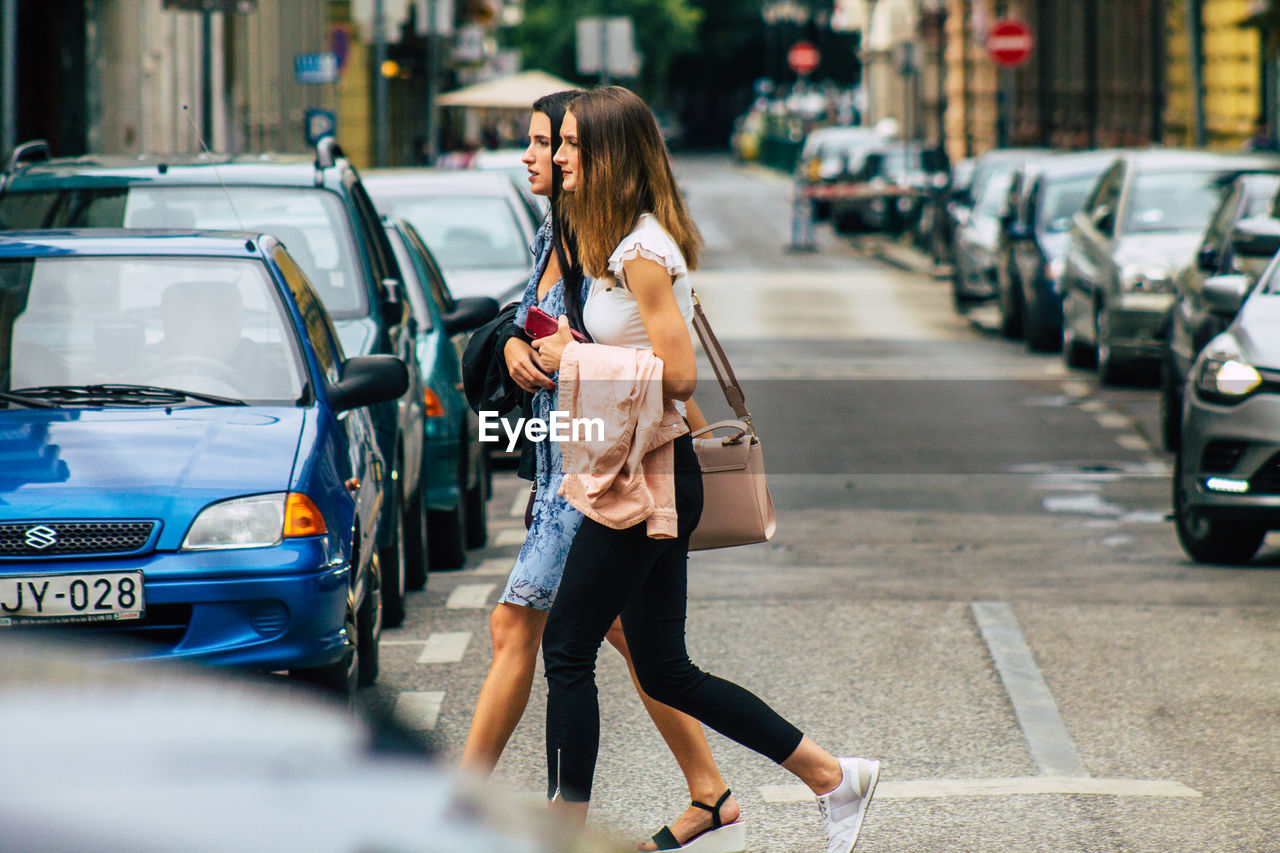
720	364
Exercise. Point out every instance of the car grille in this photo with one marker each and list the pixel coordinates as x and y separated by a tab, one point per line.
1266	481
160	629
59	538
1220	457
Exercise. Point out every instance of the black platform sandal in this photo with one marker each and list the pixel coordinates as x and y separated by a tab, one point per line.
720	838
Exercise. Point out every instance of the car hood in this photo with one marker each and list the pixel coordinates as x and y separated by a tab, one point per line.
1171	250
357	335
1256	328
141	463
503	284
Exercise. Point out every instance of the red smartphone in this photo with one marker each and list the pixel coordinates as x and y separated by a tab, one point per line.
540	324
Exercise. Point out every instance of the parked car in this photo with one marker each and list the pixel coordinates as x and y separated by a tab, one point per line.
220	763
455	472
1047	192
1226	480
886	194
831	154
477	224
1242	238
319	209
184	447
510	161
1142	222
977	234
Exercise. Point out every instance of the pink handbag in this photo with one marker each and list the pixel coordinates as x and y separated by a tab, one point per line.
736	507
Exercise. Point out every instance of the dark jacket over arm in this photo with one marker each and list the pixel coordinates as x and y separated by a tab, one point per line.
488	385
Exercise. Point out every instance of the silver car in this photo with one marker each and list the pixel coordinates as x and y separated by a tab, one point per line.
1140	225
1226	481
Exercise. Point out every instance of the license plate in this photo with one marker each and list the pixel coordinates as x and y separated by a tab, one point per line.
95	597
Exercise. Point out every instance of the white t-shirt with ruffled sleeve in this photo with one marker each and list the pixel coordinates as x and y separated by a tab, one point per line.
612	314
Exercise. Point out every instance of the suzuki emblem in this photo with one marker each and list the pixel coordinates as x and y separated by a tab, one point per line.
41	537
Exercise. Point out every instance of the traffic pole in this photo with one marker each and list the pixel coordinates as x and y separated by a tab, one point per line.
803	238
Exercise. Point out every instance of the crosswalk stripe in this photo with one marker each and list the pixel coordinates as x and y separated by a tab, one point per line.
419	710
509	537
470	596
445	647
496	566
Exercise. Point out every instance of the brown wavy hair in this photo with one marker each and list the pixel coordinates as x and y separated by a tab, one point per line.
623	171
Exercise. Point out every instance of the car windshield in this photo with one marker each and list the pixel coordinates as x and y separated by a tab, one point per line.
994	193
309	221
1062	199
1174	201
204	325
465	232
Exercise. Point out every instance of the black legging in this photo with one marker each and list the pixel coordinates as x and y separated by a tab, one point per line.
612	571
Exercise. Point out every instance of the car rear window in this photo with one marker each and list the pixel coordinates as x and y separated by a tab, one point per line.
465	232
1062	199
310	222
209	325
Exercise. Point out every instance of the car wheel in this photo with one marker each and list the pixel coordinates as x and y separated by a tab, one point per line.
1075	352
394	572
1041	334
1170	407
447	536
959	299
477	498
1010	307
1111	370
416	543
1211	540
369	627
343	675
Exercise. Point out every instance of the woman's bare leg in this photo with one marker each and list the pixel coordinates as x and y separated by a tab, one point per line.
688	743
516	633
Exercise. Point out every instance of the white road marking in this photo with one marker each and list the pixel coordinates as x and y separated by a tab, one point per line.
420	711
1047	738
470	596
1132	442
497	566
509	537
1093	407
1112	420
1076	388
920	788
1055	368
518	503
445	647
1090	503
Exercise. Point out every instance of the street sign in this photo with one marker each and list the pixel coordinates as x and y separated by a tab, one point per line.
803	58
1009	43
316	67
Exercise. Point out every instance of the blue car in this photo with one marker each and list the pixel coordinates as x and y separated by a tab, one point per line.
185	459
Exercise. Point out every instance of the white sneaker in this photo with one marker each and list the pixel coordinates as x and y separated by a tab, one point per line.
843	809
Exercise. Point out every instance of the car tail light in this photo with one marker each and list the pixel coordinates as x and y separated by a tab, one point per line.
434	409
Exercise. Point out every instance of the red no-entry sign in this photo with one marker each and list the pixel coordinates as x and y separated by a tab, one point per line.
803	57
1009	43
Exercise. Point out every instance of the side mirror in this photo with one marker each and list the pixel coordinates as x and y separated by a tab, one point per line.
1224	294
1208	258
470	313
1256	237
368	379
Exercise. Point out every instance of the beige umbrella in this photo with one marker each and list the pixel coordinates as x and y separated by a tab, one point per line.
517	91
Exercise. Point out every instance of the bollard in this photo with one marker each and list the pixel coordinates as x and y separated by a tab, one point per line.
802	234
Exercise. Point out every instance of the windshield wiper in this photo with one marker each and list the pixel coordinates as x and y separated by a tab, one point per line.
143	395
24	400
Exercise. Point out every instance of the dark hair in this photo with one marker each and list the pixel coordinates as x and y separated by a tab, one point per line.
554	106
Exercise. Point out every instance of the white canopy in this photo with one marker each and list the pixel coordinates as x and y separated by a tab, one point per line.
517	91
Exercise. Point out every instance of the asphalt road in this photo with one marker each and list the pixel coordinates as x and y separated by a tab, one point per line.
974	580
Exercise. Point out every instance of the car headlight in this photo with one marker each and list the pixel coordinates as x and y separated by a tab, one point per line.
1146	279
259	521
1224	375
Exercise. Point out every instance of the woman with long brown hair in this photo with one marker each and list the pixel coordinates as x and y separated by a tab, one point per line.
637	240
557	286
